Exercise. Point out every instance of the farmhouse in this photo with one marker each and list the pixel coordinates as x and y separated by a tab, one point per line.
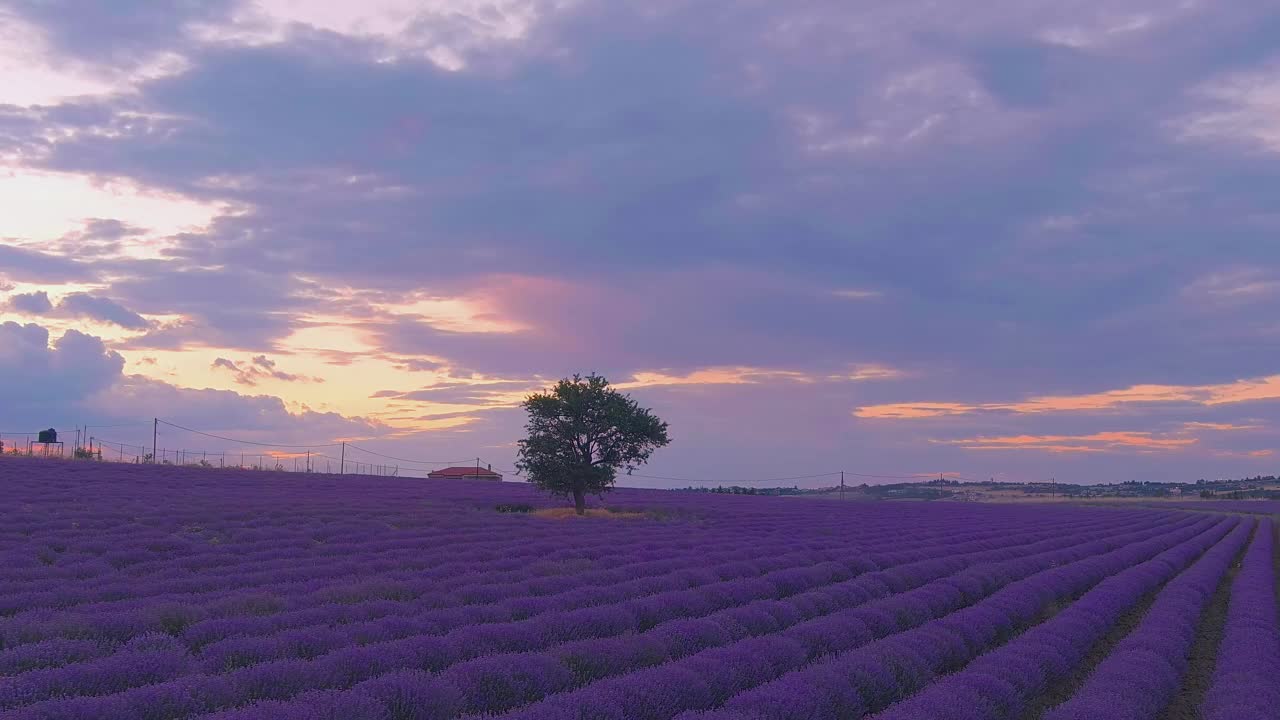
465	473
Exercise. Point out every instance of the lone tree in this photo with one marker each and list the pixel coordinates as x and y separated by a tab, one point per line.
581	432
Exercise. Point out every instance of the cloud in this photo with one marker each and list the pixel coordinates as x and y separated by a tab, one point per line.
28	265
77	379
1239	391
77	305
856	294
257	368
1224	427
1234	287
715	376
41	380
1094	442
36	303
871	371
1244	110
103	309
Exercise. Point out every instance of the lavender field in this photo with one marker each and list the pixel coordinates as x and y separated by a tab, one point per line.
150	592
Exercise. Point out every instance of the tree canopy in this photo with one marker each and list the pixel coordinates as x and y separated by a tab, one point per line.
581	432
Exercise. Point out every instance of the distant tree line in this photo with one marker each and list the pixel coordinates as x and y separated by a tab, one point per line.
740	490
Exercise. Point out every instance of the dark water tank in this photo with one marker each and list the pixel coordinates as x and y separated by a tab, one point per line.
48	436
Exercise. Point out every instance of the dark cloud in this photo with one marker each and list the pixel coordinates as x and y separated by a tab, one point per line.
28	265
36	303
257	368
78	304
247	309
44	383
103	309
117	32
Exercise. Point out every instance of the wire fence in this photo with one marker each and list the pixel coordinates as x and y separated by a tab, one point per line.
180	445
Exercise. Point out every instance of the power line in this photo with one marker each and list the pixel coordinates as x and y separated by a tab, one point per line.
892	477
246	442
405	460
413	461
121	444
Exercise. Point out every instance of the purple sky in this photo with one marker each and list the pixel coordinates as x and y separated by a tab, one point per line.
1008	239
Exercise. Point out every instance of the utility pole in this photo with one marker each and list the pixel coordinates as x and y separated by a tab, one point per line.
308	461
342	462
841	484
155	428
77	440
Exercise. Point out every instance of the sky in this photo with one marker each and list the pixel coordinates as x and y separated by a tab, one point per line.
1017	239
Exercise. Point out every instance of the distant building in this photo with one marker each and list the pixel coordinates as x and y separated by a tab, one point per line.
468	472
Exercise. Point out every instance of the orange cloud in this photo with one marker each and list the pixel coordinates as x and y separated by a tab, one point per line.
714	376
1245	453
1267	388
1225	427
465	314
870	371
1046	448
1095	442
913	410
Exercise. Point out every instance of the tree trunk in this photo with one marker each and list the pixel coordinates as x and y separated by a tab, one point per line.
580	501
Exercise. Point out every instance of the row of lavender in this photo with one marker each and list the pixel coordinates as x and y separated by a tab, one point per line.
1137	680
1245	682
341	666
874	675
406	581
793	632
163	593
1252	507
